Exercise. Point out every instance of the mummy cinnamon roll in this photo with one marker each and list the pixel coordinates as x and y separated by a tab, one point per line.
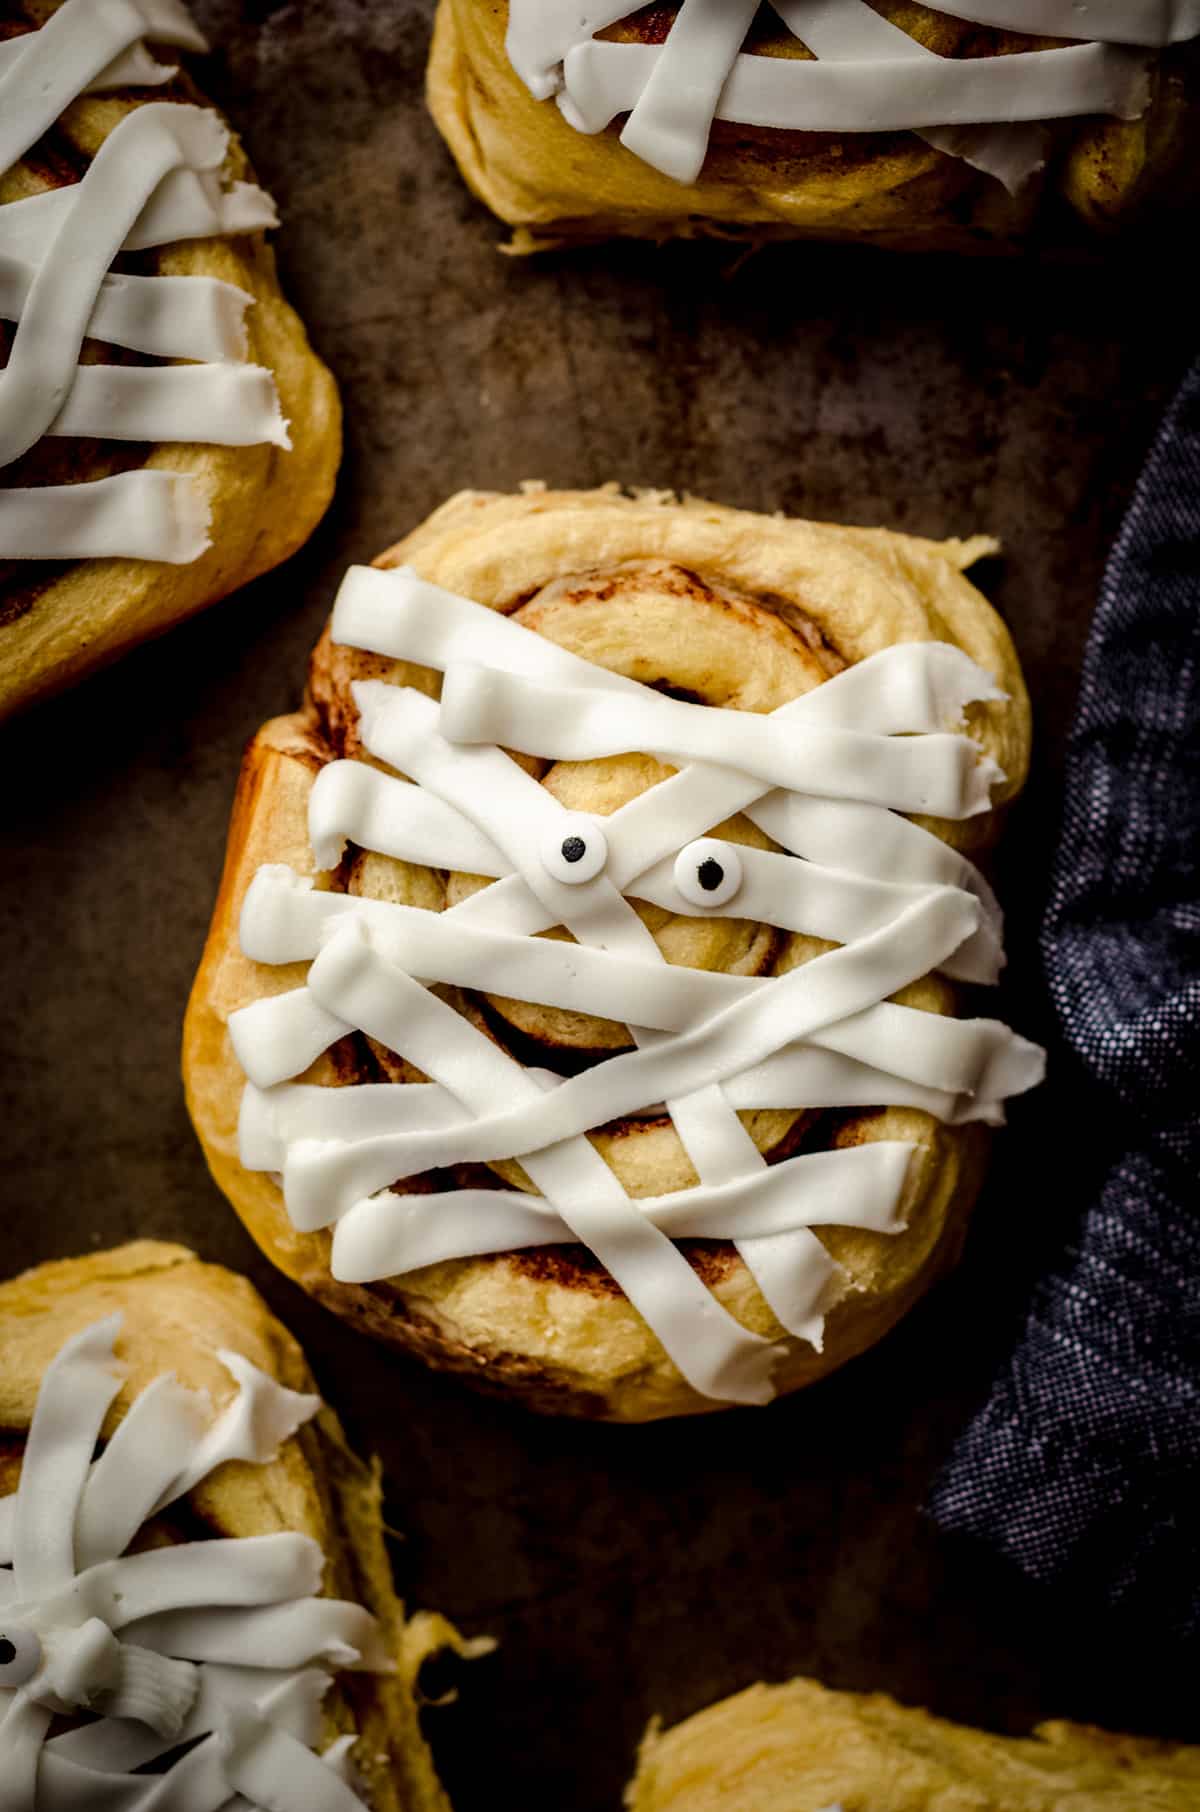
166	431
808	1749
196	1608
958	126
579	1006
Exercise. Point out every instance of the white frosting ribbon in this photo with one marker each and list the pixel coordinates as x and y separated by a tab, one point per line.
670	123
155	178
848	29
385	1236
77	44
943	775
869	76
824	774
900	94
188	204
209	1642
167	317
147	515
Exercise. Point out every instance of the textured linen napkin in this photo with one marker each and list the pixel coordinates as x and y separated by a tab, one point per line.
1083	1466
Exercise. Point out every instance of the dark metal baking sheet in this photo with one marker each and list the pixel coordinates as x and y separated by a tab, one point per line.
626	1572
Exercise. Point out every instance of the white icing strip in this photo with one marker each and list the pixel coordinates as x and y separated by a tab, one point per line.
243	1570
807	898
717	1356
670	124
604	79
134	68
400	615
271	1119
1153	23
540	32
837	29
125	1485
78	1386
354	973
845	833
943	775
221	405
146	515
276	1773
977	1057
167	317
23	1727
288	1635
822	1079
280	1035
188	204
76	44
192	204
355	803
252	1428
388	1235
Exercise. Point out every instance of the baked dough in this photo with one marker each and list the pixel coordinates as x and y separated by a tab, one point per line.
802	1748
553	184
58	621
176	1312
717	604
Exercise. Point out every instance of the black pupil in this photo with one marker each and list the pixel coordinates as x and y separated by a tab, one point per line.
574	849
7	1651
710	874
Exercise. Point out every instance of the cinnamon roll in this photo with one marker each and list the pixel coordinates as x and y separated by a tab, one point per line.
578	1009
196	1606
166	431
806	1749
964	126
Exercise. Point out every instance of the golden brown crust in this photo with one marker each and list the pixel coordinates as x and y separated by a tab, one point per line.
549	1326
176	1312
59	621
555	185
801	1748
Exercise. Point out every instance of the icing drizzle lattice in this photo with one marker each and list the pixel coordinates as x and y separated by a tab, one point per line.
156	179
824	776
220	1649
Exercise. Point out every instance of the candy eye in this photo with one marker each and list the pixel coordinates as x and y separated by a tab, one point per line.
20	1656
576	850
708	873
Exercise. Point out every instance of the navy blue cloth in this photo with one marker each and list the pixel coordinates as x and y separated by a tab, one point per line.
1083	1466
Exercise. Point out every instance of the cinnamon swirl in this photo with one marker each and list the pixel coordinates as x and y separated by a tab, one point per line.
609	1057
